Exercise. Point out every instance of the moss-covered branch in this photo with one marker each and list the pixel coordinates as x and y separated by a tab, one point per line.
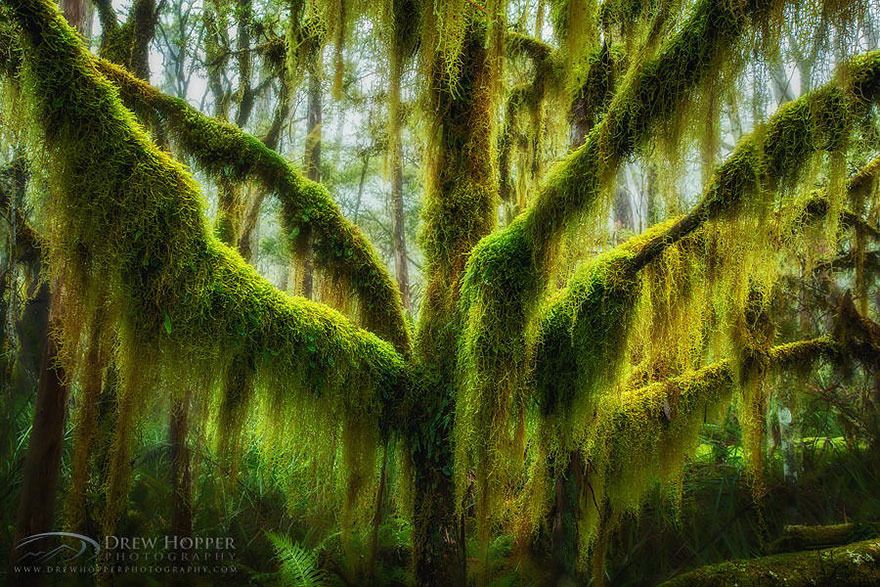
595	85
584	328
799	537
536	50
338	245
125	231
507	271
853	564
639	437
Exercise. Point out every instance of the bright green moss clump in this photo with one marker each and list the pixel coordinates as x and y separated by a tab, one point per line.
582	339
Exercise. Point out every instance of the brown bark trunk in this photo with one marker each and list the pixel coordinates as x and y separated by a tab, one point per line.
438	532
79	14
43	462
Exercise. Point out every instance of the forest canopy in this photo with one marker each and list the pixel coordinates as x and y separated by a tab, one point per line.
440	292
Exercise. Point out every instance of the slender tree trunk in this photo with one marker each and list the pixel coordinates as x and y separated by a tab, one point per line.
43	462
564	537
244	15
79	14
181	511
181	475
312	163
378	515
365	165
398	223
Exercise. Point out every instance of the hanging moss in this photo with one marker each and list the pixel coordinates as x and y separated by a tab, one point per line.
507	271
339	246
775	156
574	22
527	121
583	333
641	436
460	181
126	220
581	350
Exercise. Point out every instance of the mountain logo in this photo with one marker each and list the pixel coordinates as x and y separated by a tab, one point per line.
55	547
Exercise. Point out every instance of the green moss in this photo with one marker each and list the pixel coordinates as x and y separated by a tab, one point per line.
128	44
798	537
307	208
595	83
507	271
126	221
854	564
583	334
643	436
649	95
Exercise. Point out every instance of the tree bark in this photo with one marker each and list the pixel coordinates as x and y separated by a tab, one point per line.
43	462
438	532
398	223
79	14
312	164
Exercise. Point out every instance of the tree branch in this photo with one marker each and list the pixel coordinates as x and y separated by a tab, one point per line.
339	246
582	329
137	219
507	271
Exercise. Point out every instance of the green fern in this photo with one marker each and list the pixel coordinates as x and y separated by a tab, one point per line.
299	566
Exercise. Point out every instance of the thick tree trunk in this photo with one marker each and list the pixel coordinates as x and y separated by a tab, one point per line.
453	224
438	532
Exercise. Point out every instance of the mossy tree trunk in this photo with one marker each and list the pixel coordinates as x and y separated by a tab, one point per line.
460	208
312	156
